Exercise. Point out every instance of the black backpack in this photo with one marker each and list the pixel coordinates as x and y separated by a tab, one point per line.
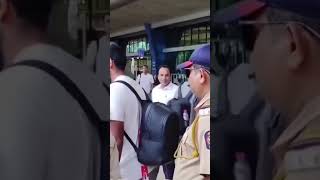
159	134
75	92
180	104
248	132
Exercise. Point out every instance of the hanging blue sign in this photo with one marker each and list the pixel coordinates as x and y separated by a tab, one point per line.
141	52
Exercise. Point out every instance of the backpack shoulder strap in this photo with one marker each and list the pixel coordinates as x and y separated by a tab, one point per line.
131	142
77	94
131	89
140	100
189	95
134	91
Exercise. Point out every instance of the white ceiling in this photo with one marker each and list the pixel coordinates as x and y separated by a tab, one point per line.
141	11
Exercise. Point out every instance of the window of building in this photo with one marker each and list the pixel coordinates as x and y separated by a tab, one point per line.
195	35
133	46
139	43
183	56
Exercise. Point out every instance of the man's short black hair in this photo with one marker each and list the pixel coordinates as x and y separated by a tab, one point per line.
117	55
146	66
165	66
34	12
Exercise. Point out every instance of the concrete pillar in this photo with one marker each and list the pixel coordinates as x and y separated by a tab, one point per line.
58	31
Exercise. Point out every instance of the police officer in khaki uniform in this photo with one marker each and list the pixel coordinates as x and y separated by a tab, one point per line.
298	148
284	46
114	159
193	153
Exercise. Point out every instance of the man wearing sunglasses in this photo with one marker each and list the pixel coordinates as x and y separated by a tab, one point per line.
193	153
284	39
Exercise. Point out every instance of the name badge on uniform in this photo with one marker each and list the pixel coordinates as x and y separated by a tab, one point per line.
302	159
204	112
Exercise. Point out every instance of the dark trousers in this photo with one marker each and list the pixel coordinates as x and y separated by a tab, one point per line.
168	170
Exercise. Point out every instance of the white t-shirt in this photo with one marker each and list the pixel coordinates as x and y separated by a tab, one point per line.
164	95
125	107
146	81
45	133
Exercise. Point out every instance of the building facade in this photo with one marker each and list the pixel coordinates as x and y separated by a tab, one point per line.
166	42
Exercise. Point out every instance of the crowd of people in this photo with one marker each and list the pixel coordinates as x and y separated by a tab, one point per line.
192	157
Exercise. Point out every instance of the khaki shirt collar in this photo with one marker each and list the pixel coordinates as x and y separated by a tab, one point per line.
309	112
204	102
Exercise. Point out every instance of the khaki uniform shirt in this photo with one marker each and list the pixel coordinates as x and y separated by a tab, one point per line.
297	151
189	167
114	160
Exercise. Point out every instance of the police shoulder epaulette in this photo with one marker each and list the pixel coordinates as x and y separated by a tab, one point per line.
204	112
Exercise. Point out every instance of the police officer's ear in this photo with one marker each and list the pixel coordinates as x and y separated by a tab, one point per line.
4	7
110	63
299	43
203	76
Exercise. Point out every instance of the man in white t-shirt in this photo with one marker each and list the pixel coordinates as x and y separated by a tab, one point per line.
114	160
166	90
44	132
125	113
145	80
163	93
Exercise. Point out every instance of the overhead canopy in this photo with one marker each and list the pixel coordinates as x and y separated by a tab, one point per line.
115	4
137	12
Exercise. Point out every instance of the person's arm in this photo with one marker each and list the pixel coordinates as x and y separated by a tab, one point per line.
114	159
203	141
117	130
117	113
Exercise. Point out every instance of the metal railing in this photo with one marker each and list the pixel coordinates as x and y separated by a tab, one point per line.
178	78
